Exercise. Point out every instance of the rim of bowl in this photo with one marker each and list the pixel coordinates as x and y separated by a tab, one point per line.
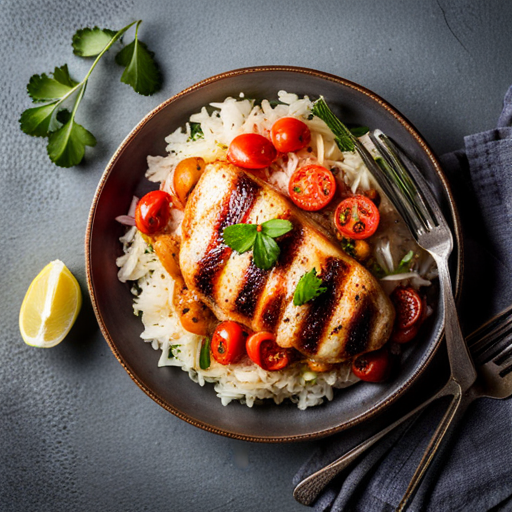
417	137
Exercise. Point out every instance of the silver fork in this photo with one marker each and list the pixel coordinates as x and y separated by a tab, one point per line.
491	347
411	195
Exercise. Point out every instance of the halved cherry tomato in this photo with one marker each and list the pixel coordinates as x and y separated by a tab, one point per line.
405	335
290	134
312	187
152	212
410	313
228	342
372	366
265	352
357	217
251	151
408	306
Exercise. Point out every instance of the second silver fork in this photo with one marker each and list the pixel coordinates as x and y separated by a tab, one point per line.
491	347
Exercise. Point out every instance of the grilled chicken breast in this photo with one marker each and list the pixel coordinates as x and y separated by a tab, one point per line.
353	316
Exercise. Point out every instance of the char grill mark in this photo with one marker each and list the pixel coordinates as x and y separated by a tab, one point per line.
254	282
289	245
359	329
322	308
235	210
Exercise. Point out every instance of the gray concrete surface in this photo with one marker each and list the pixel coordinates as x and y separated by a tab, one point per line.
75	432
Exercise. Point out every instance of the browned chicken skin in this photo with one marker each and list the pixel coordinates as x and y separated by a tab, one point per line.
351	317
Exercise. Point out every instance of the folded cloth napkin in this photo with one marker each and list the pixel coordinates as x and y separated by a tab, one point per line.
474	470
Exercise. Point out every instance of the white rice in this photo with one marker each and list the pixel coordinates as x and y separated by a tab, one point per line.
153	287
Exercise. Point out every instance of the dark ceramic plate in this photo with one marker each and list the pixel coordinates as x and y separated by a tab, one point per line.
112	301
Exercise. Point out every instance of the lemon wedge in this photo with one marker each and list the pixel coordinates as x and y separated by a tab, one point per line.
50	306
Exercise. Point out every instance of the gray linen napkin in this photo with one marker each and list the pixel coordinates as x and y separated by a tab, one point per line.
474	470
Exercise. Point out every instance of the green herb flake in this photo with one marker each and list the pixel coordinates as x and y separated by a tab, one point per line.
204	355
348	245
196	132
405	263
173	350
308	288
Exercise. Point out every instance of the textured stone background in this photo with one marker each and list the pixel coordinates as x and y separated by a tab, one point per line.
75	432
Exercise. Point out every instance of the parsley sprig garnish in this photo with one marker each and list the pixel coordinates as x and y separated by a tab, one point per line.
62	95
259	238
308	288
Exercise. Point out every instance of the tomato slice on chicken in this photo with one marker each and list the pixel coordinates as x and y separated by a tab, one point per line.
312	187
152	212
265	352
357	217
228	342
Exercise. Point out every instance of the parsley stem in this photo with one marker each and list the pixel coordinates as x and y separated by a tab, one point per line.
81	86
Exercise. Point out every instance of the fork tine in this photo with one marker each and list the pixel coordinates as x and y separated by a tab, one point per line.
478	340
417	188
380	170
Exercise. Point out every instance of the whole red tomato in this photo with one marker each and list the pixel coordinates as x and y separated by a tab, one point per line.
152	212
290	134
251	151
228	342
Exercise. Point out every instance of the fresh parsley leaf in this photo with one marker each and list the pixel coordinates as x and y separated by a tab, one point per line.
47	88
56	120
265	252
308	288
342	134
276	227
66	146
240	237
359	131
405	263
89	42
204	355
196	132
36	121
141	71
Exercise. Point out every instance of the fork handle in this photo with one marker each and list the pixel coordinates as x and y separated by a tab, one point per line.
455	412
308	489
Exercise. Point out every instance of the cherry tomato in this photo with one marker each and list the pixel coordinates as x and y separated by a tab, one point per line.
372	366
312	187
251	151
408	306
410	313
290	134
357	217
152	212
228	342
405	335
265	352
